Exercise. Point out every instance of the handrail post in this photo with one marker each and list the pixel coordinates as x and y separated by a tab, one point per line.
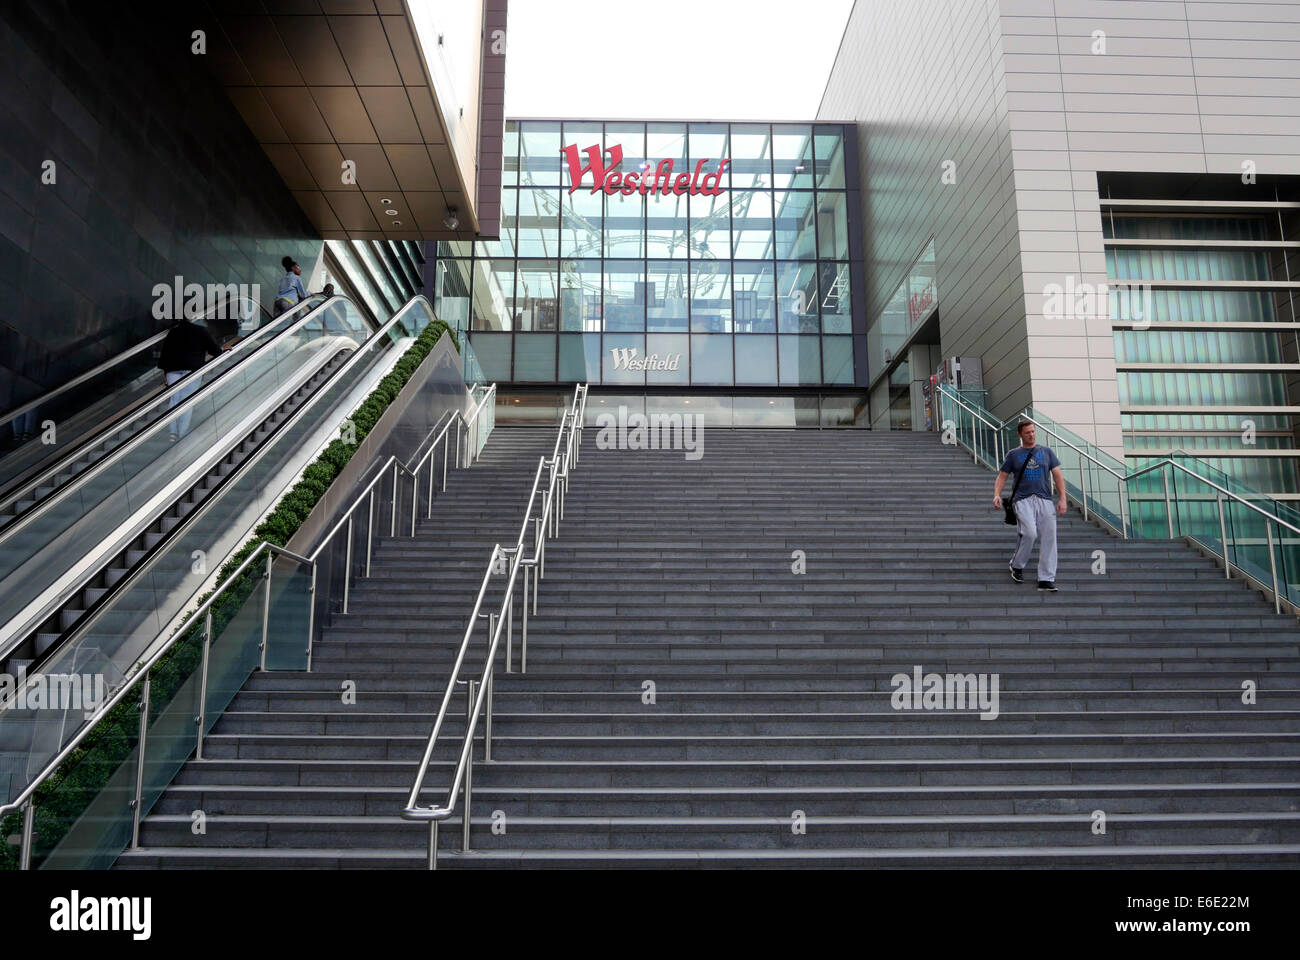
1122	488
311	616
469	768
433	844
1169	510
487	694
1223	538
1272	564
1083	488
201	720
392	523
446	454
347	564
523	622
510	612
266	607
433	452
537	558
139	764
370	536
29	830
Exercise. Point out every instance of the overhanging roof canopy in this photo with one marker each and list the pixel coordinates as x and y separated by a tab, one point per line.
321	82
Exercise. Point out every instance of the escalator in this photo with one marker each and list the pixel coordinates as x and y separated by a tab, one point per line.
28	656
104	408
106	499
111	567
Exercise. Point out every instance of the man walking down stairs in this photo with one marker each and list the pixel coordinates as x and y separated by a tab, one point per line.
732	666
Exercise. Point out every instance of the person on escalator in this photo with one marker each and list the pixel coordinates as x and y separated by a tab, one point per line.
185	348
291	292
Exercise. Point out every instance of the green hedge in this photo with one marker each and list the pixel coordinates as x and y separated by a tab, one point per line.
88	768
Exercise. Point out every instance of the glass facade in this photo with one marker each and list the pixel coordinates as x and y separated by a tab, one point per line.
751	283
378	275
1196	349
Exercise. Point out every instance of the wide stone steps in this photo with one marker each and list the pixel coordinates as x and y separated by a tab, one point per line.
1122	693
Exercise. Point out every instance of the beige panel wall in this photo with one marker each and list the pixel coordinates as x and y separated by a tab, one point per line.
1128	85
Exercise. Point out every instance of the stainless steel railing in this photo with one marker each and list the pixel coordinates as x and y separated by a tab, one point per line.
508	561
425	463
467	451
1124	481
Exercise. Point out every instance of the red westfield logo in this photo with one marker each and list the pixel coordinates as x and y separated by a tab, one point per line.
659	180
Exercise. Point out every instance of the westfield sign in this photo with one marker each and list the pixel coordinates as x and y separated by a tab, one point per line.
660	180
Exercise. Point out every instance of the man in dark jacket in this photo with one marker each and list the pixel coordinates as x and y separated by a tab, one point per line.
185	348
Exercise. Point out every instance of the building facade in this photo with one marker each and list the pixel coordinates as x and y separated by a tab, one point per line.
1111	193
717	264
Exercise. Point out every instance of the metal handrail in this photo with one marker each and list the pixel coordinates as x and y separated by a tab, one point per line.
479	696
1126	496
100	368
1123	477
472	421
198	397
54	467
439	435
143	671
367	496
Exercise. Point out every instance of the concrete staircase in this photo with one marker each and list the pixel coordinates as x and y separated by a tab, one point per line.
1121	693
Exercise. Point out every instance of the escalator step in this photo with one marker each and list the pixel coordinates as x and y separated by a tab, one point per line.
91	594
69	616
113	574
134	556
168	522
152	539
44	641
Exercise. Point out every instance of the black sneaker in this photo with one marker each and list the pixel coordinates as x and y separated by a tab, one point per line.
1017	575
1047	586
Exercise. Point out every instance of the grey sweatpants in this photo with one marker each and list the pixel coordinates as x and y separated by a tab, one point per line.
1036	521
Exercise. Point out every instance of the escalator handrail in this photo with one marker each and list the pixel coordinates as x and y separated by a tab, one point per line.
105	462
142	567
96	371
20	484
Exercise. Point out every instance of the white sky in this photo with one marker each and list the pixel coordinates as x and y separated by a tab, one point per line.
671	59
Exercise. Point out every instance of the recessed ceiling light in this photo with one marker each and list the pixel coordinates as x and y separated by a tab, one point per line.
391	213
397	223
385	201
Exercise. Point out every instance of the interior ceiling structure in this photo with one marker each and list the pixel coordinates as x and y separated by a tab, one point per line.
321	82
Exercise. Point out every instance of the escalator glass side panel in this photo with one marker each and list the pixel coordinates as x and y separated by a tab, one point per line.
48	543
113	639
128	395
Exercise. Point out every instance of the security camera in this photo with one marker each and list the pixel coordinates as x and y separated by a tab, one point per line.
451	221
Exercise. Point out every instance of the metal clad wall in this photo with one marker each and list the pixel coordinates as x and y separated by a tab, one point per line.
923	80
1013	92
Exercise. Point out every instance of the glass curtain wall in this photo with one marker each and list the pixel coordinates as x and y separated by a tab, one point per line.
378	275
1181	347
750	286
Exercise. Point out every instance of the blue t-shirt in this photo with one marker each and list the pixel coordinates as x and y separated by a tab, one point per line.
1037	480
